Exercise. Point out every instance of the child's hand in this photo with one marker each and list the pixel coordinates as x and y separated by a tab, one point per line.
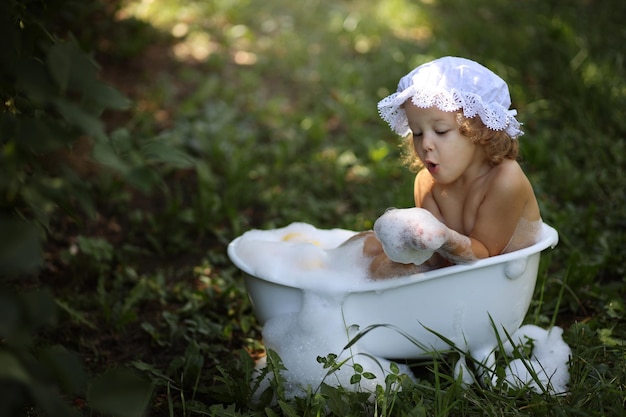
410	235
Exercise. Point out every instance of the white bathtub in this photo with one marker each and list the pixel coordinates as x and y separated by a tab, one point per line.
457	302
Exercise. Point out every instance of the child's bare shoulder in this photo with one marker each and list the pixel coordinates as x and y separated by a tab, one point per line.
508	175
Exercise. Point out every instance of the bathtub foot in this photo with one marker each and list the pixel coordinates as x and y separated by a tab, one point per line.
463	373
487	366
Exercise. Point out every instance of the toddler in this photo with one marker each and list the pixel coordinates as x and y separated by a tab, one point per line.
472	198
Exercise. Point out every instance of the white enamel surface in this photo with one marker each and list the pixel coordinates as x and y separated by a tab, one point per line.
457	302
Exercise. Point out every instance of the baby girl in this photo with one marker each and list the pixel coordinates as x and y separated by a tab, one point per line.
472	198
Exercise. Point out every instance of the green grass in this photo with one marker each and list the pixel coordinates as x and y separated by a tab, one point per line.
273	119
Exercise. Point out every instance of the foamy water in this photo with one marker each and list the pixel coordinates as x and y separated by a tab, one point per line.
312	259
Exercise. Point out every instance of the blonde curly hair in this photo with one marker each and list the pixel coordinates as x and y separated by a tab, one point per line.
498	144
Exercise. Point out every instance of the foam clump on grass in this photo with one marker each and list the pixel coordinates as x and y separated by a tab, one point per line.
546	368
304	339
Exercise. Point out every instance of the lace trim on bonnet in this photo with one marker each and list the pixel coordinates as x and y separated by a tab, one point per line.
451	84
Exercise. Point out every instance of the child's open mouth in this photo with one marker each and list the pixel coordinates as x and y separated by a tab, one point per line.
431	167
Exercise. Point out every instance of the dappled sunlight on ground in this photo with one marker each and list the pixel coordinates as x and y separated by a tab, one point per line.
200	32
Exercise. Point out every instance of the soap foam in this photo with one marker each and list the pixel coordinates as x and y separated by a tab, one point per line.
547	364
409	235
319	330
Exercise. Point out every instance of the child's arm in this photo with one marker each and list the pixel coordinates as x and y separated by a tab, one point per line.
460	249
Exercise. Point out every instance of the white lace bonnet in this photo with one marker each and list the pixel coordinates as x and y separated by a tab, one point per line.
450	84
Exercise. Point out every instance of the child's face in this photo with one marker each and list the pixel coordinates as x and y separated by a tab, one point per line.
443	150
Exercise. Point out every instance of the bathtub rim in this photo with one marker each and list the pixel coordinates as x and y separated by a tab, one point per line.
549	238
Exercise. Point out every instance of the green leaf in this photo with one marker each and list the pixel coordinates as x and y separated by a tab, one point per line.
104	153
77	116
287	409
120	392
395	369
11	368
268	412
335	401
194	361
158	151
67	367
10	314
50	401
33	79
39	135
355	379
59	63
74	70
71	67
606	338
99	249
39	307
105	97
198	407
20	247
151	369
143	178
76	315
